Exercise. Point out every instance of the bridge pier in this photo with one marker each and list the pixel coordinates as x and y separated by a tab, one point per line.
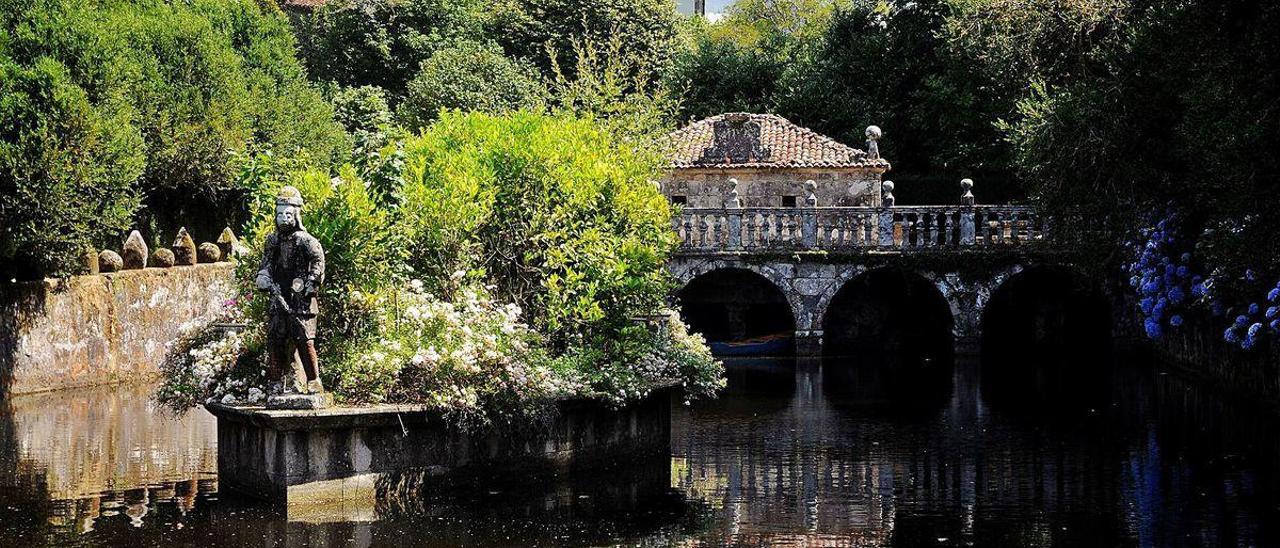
808	342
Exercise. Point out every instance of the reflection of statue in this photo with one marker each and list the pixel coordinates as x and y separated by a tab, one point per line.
293	271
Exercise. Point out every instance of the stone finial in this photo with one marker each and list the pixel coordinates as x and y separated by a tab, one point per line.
886	194
966	185
90	260
208	253
812	187
227	243
184	249
134	253
734	201
110	261
873	146
162	258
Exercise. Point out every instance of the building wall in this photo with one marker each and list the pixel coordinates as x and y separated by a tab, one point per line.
768	187
102	328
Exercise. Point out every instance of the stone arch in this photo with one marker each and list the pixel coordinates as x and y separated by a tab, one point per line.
967	297
758	314
1076	282
911	280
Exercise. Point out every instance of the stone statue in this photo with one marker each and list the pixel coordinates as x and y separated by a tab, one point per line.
292	271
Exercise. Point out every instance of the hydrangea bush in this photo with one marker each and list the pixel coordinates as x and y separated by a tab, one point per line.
1167	276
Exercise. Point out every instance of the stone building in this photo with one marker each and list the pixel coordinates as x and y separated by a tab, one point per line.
771	159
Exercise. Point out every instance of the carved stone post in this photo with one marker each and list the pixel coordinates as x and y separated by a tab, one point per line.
967	228
887	199
733	207
809	221
873	146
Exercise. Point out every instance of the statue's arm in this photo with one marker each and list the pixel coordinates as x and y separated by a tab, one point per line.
263	279
315	268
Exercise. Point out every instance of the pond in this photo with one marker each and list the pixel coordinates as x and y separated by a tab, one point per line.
834	451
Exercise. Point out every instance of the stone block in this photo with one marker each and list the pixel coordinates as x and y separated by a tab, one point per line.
162	258
208	253
184	249
110	261
134	252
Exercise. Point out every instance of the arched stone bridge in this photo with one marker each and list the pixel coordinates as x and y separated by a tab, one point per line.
811	254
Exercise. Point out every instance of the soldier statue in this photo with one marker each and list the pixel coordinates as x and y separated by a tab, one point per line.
292	271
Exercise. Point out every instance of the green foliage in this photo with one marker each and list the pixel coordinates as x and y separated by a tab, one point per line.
647	29
471	76
382	42
561	219
193	83
362	109
503	267
66	169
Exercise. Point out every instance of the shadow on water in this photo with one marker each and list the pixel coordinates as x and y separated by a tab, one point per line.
1046	345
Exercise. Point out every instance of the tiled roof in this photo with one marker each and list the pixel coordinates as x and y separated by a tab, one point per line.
741	140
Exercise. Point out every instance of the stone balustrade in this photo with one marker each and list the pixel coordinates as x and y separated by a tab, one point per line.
901	228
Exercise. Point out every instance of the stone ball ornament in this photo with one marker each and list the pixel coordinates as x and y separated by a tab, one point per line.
110	261
874	133
163	258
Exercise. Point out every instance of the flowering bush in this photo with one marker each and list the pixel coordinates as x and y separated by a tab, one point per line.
207	364
485	283
1165	275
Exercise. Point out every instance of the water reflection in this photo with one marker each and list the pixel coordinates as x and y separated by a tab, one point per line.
854	465
831	452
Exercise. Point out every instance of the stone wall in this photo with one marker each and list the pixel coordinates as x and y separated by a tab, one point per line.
767	187
348	456
102	328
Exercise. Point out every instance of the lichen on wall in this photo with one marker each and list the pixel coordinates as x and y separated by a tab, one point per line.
100	329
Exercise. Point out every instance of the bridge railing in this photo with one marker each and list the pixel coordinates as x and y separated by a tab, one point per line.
765	229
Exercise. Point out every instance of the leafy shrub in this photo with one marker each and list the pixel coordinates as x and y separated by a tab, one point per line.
382	42
66	169
193	83
362	109
471	77
523	246
647	29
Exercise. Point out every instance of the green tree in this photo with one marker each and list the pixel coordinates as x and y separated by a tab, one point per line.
471	76
383	42
544	31
66	170
202	82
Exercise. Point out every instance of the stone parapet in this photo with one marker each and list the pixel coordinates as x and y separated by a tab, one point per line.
101	328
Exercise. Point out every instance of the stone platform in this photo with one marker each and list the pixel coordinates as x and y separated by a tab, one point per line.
352	456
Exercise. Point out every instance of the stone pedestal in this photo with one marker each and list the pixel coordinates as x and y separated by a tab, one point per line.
300	401
352	456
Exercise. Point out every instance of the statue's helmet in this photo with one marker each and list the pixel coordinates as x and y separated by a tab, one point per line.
289	200
289	196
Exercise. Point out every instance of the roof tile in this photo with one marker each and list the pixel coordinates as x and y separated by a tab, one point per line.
743	140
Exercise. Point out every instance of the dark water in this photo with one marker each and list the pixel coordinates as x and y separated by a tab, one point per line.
809	452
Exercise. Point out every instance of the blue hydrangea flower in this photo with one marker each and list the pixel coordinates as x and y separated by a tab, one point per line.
1183	272
1134	281
1250	275
1153	328
1176	295
1275	325
1272	312
1241	321
1197	290
1254	330
1186	257
1254	308
1146	304
1247	344
1175	320
1274	295
1231	335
